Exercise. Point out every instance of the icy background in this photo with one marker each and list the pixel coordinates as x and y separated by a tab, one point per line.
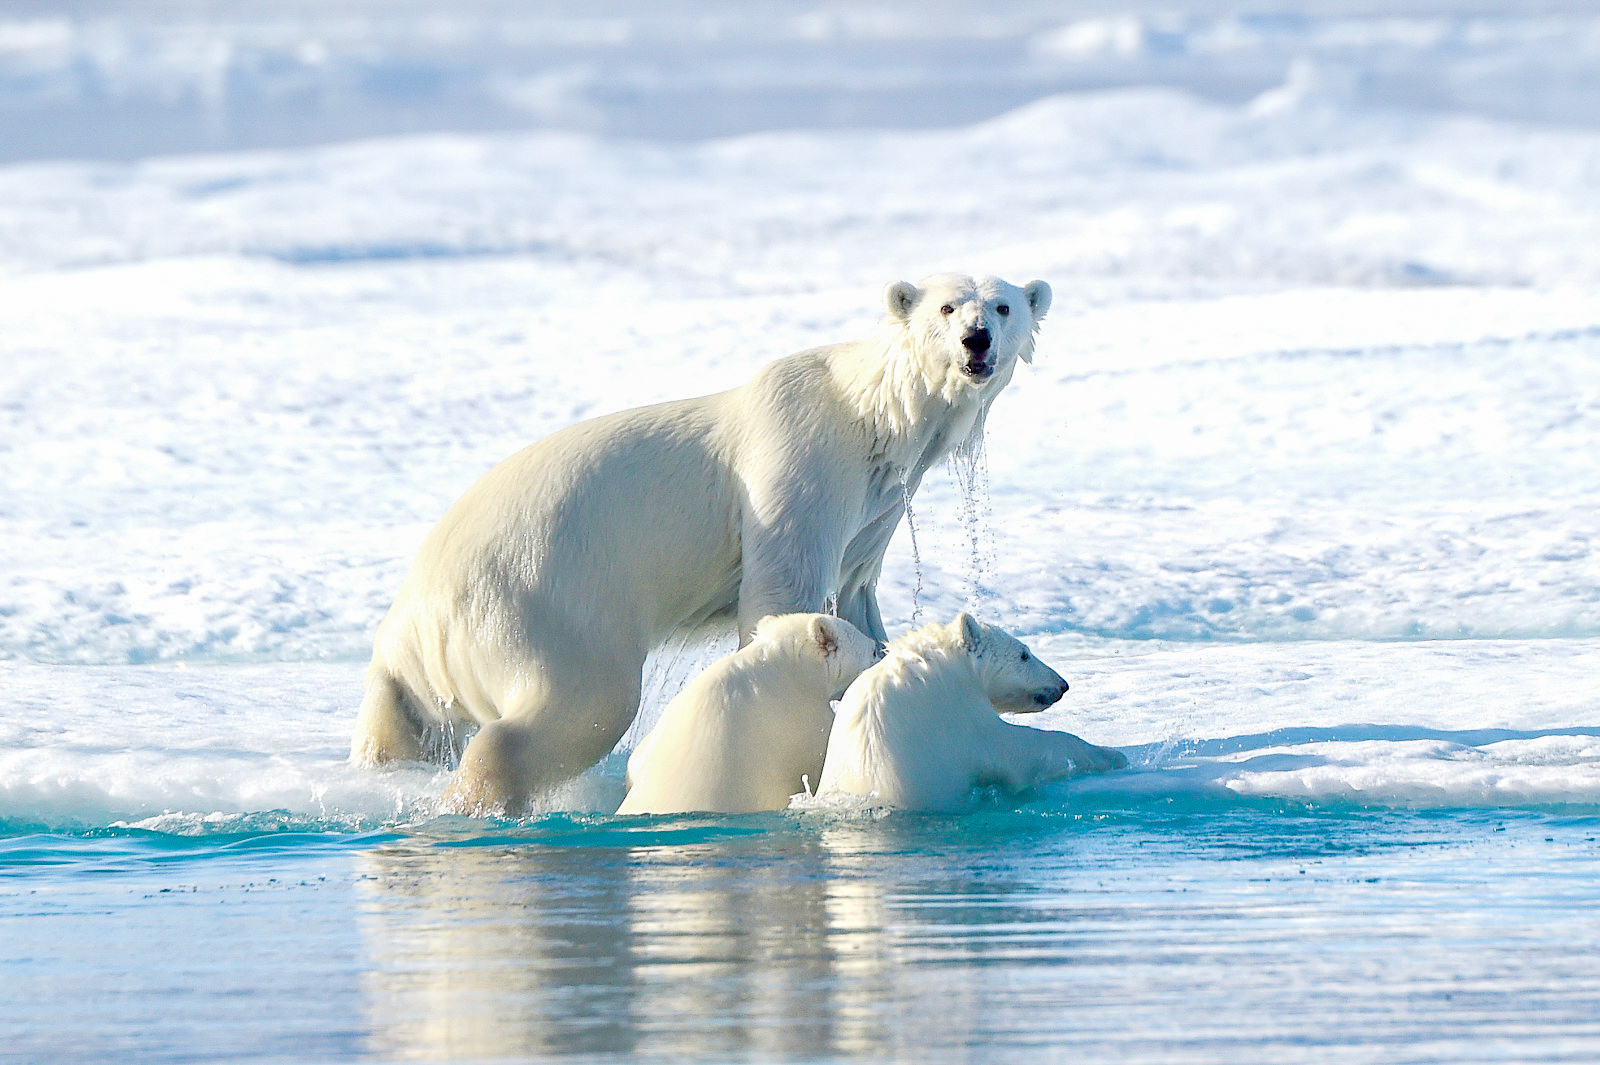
1301	492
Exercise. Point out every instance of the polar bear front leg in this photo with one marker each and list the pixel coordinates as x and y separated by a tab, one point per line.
1061	754
859	606
1026	757
1100	759
788	567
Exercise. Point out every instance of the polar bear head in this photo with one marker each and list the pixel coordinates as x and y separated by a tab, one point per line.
969	329
1014	680
841	649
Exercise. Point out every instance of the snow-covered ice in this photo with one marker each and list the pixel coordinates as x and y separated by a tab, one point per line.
1323	368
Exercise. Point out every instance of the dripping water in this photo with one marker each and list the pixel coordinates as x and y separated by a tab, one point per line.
916	555
969	466
680	657
440	742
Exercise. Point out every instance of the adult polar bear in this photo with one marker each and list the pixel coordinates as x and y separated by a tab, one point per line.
531	606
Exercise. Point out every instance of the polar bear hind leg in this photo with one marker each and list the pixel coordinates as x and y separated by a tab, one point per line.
551	739
386	728
390	728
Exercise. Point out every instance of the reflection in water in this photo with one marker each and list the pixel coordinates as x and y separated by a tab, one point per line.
542	949
771	944
1142	937
733	957
496	951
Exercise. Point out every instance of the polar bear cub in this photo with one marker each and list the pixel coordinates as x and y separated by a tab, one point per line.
751	730
921	728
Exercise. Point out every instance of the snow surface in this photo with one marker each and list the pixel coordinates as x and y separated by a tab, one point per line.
1322	375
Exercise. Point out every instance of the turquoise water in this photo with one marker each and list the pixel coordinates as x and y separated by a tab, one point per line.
1185	929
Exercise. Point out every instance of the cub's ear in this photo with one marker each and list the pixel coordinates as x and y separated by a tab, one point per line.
901	296
971	634
1038	294
826	635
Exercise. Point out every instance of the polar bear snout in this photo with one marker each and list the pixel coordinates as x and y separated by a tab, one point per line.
979	343
1050	696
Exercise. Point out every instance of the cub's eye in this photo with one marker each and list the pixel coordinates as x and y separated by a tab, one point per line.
947	309
1003	310
1024	656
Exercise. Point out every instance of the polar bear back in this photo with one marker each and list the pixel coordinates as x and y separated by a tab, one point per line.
658	472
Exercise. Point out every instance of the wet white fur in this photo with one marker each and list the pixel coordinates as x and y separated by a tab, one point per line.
531	606
921	729
751	730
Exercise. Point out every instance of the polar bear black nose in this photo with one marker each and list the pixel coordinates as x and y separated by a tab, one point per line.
976	342
1051	698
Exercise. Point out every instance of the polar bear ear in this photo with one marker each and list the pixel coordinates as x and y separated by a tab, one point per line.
900	297
971	634
826	635
1038	294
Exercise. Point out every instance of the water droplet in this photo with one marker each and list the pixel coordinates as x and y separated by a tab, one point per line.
678	659
916	555
969	466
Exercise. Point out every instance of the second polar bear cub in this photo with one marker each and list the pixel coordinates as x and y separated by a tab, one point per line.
750	731
921	728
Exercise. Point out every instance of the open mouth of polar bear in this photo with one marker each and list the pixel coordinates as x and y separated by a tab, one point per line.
978	368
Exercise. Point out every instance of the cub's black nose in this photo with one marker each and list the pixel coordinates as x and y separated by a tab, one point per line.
1046	699
976	342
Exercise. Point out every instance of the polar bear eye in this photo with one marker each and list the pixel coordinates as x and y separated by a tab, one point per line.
1024	656
947	309
1003	310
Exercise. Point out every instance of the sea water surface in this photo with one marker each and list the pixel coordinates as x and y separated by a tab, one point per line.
1186	929
1300	493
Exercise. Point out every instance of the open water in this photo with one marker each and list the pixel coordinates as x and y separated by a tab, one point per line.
1158	931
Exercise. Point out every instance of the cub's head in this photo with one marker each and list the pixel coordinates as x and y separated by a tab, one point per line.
841	649
970	330
1014	680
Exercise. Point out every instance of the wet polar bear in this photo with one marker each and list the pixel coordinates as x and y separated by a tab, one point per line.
530	607
921	729
751	730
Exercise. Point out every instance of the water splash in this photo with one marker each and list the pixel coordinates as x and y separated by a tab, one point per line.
969	466
441	742
681	657
916	554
